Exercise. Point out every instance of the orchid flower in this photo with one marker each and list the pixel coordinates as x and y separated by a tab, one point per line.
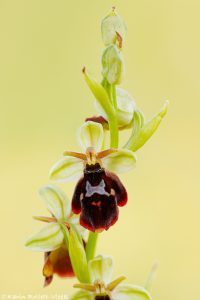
101	286
99	190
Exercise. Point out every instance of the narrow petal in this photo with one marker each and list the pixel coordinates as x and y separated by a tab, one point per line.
56	201
66	169
82	295
130	292
48	239
101	268
91	135
120	161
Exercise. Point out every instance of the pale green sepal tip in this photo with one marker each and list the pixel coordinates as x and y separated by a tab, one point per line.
143	134
91	134
56	201
101	268
66	169
121	161
130	292
48	239
78	257
82	295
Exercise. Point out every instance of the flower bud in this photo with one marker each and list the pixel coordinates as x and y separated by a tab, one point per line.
125	108
112	25
112	63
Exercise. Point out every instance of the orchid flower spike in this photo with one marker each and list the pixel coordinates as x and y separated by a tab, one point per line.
101	286
99	190
53	238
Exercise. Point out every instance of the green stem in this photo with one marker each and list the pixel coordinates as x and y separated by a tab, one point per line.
114	98
91	245
112	119
113	126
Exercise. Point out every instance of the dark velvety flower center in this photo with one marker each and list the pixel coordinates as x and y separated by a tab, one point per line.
102	297
97	197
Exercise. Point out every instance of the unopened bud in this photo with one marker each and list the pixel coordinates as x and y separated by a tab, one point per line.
112	26
113	65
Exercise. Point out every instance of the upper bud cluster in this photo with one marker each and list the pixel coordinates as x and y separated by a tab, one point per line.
113	30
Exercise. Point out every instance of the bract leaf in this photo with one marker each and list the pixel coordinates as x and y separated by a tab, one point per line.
139	138
78	257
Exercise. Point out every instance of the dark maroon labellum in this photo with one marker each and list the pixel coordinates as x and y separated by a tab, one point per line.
97	196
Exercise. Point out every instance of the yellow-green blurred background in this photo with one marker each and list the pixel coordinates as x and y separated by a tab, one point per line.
43	100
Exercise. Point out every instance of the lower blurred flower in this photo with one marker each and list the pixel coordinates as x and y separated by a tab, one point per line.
53	239
101	288
57	262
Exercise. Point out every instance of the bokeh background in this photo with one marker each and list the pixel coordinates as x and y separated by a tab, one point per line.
44	99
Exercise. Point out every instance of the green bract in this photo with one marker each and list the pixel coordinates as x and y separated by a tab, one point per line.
111	24
100	269
142	132
78	257
113	64
90	136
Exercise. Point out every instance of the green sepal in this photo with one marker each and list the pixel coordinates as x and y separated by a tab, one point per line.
131	292
82	295
47	239
101	268
140	135
56	201
78	257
